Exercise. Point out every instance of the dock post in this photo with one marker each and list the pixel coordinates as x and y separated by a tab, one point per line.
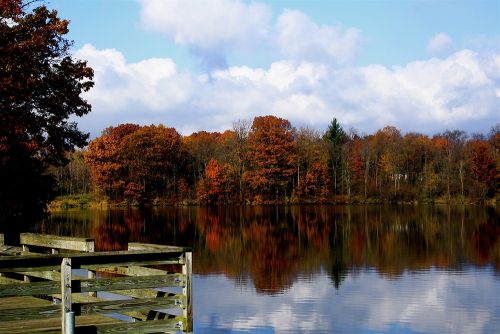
187	269
67	316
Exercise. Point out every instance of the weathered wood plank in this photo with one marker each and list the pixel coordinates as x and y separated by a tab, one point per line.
22	302
53	325
135	246
143	316
66	289
127	283
133	271
187	270
48	275
88	260
36	288
128	305
57	242
141	327
29	313
7	280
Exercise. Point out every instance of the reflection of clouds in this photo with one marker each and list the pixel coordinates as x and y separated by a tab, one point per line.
432	301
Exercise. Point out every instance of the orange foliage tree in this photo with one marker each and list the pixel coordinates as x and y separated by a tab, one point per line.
217	185
151	157
271	156
103	155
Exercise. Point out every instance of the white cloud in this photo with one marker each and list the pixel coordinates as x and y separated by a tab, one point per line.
208	28
212	30
300	38
460	91
440	43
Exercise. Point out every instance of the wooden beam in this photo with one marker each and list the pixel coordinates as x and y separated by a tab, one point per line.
30	313
95	260
128	305
30	289
57	242
127	283
66	288
133	246
187	270
142	327
133	271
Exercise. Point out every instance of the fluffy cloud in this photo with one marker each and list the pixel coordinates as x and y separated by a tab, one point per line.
213	29
440	43
300	38
460	91
208	28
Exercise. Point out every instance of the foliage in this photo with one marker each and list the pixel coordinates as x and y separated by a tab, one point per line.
272	162
271	156
40	87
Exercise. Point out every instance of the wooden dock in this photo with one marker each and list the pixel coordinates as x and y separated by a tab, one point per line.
58	284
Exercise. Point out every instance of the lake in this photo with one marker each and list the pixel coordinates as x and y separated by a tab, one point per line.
322	269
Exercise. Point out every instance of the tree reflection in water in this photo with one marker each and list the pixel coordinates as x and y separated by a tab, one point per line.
273	246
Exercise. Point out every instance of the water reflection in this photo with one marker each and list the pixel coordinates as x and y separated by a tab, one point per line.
322	269
272	246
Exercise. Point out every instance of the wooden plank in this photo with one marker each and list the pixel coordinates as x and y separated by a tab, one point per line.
171	325
66	288
141	327
29	313
143	316
7	280
127	283
110	284
36	288
133	271
128	305
57	242
22	302
134	246
53	325
48	275
187	270
88	260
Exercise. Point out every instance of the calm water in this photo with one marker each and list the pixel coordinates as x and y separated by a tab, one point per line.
322	269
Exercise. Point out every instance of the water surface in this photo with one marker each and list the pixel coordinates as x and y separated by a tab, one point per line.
322	269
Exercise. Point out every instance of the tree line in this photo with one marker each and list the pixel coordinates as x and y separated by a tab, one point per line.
269	161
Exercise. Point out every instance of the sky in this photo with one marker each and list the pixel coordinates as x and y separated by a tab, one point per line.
420	65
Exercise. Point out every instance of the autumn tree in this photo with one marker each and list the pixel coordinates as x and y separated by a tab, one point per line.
390	159
271	156
483	166
104	156
40	87
202	146
218	183
151	156
312	175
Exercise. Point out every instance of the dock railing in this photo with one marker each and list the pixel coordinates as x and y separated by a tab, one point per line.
46	293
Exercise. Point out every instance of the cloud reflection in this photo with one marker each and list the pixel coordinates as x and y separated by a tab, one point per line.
433	301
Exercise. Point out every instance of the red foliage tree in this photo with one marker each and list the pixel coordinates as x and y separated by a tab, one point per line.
218	183
483	166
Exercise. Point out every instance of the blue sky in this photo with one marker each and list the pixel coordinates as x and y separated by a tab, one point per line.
421	65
